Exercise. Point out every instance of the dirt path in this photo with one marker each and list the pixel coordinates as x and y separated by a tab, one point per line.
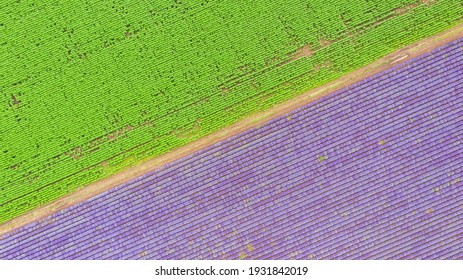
103	185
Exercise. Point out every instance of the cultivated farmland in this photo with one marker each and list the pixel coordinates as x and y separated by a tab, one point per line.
89	88
371	171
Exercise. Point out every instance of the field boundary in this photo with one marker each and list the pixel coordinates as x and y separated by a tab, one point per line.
397	57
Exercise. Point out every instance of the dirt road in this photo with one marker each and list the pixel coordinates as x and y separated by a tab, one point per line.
101	186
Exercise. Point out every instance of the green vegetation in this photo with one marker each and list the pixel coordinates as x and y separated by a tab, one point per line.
88	88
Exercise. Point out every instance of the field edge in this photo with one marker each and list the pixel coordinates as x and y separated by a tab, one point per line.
395	58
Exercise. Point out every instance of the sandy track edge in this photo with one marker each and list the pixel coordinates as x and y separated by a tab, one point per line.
384	63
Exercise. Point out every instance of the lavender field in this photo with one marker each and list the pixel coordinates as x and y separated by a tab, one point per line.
373	171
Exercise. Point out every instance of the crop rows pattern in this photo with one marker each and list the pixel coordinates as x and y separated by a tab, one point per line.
88	88
373	171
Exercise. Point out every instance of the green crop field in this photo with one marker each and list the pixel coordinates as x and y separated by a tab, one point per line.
88	88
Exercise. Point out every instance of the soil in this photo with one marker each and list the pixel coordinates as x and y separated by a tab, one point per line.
399	56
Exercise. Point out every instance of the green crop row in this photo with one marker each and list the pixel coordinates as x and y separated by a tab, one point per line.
88	88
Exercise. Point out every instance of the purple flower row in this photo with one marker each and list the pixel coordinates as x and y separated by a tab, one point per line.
371	171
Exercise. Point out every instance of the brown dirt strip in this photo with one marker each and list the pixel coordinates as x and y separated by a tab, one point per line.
384	63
